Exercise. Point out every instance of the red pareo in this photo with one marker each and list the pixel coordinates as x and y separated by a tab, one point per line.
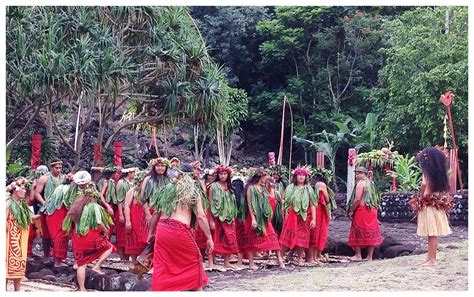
89	247
59	237
295	232
136	237
319	234
365	229
253	242
120	231
225	237
199	236
177	261
273	203
44	226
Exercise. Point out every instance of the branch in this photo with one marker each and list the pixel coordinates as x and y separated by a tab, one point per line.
55	126
19	134
138	120
350	74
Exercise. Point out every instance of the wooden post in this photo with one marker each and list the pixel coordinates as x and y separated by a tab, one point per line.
118	153
319	160
97	154
280	152
453	172
351	162
36	151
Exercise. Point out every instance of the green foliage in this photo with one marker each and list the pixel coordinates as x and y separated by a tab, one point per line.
424	61
407	172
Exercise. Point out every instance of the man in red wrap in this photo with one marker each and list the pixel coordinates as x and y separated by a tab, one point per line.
362	209
177	261
45	186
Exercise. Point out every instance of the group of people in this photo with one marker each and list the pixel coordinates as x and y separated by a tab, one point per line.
186	214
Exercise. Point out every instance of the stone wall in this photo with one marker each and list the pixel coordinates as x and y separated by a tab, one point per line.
394	207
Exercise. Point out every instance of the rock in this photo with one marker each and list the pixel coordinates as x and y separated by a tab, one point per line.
330	247
419	251
98	282
142	285
342	249
128	282
45	271
388	241
33	275
50	278
395	251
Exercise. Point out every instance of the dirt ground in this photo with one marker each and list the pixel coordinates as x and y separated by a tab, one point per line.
397	274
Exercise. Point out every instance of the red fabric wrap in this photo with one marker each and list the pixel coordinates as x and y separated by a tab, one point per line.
319	234
225	237
59	237
199	236
44	226
365	229
253	242
273	203
89	247
120	231
295	231
177	262
97	153
36	151
136	237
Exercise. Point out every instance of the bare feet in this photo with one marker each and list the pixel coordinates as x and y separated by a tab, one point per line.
300	262
368	259
253	267
230	267
430	263
356	258
60	265
98	271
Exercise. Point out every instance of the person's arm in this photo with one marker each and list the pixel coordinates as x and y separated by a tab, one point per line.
360	189
324	189
31	197
120	205
126	209
212	225
249	205
146	205
102	228
423	186
39	188
312	224
202	222
152	226
103	192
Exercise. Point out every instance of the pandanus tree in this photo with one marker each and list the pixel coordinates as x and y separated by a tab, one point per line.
149	64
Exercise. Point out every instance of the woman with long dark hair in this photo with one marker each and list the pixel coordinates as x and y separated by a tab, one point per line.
434	202
299	200
157	179
224	213
261	236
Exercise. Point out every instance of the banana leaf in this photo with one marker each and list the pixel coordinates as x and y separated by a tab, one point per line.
152	187
51	184
299	199
372	195
122	191
92	215
20	211
70	195
56	199
224	205
111	194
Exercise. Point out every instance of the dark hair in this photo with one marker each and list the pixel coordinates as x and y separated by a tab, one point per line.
238	186
252	181
295	182
433	164
320	178
228	182
107	175
154	175
124	174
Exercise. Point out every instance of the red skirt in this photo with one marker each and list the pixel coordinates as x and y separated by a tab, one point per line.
365	229
319	234
135	241
200	236
177	261
225	237
59	238
120	231
254	242
273	203
295	232
89	247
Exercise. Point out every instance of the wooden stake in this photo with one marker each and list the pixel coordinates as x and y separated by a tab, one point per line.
280	152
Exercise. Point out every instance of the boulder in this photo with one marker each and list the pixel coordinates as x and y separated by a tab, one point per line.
45	271
388	241
50	278
33	275
142	285
395	251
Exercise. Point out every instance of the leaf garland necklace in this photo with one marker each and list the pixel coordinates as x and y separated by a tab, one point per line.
223	205
261	208
20	212
299	198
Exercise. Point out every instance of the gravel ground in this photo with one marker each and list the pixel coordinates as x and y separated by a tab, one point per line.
398	274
